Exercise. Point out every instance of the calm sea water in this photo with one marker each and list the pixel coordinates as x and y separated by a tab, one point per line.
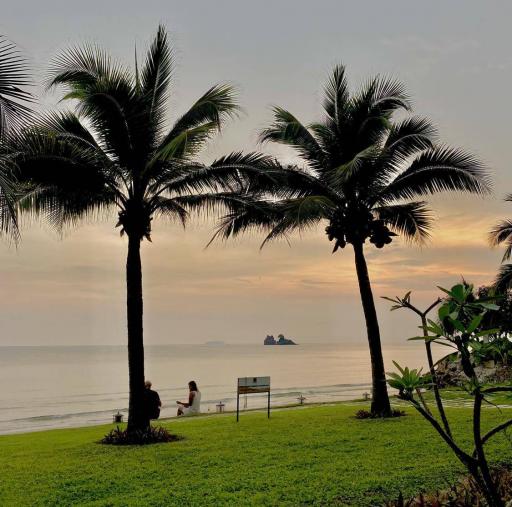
56	387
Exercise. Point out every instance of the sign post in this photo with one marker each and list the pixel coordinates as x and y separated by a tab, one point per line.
250	385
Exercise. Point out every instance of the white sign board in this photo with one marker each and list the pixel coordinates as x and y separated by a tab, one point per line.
250	385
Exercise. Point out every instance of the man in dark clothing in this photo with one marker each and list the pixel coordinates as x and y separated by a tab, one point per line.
153	402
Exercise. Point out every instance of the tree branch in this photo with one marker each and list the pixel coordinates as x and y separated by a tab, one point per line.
465	458
495	430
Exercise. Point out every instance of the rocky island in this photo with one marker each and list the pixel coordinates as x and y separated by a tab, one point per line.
281	340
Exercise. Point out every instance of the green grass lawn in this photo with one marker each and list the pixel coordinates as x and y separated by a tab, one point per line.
312	456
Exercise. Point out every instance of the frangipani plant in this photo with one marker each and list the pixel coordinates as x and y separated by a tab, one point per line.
458	326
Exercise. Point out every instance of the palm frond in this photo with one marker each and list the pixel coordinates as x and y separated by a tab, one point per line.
67	125
437	170
336	95
61	208
380	96
288	130
371	111
328	139
299	214
340	177
105	96
206	117
169	208
8	195
502	233
185	144
156	77
404	140
276	218
66	179
78	67
14	78
503	280
411	220
407	138
211	203
226	173
259	174
247	214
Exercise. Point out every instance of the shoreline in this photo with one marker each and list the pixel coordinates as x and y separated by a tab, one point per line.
202	415
452	403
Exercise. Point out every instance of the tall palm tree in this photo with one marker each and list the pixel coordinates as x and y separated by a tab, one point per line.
501	234
115	151
14	111
360	171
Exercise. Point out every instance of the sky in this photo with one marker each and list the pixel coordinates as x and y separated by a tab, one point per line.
455	60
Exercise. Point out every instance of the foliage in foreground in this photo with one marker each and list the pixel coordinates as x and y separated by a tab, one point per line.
463	494
459	326
153	435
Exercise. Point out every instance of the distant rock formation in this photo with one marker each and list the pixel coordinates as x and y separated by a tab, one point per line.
269	340
281	340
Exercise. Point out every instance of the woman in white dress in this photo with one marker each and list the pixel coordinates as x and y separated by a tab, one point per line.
194	401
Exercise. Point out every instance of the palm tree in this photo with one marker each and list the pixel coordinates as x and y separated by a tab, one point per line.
14	77
361	168
501	234
115	151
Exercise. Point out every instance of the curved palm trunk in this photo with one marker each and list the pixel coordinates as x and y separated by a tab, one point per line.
137	418
380	399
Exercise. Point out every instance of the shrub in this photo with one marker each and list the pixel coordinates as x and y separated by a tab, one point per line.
366	414
464	493
152	435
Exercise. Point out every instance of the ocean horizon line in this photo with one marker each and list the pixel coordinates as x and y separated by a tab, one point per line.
213	343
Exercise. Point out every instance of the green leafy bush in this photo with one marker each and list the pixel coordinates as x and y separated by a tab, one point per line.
497	349
152	435
366	414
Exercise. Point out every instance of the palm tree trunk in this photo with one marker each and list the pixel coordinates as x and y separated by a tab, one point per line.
137	417
380	399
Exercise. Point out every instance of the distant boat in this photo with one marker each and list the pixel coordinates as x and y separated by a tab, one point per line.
215	343
281	340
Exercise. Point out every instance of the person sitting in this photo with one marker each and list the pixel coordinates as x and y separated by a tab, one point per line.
194	400
153	402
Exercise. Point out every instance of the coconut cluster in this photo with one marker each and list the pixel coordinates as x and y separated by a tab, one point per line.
343	230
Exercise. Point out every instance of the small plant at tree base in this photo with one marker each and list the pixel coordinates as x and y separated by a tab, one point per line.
366	414
460	317
152	435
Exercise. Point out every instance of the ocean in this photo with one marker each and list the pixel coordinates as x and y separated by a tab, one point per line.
58	387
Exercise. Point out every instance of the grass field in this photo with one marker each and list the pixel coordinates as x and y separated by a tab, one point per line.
311	456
